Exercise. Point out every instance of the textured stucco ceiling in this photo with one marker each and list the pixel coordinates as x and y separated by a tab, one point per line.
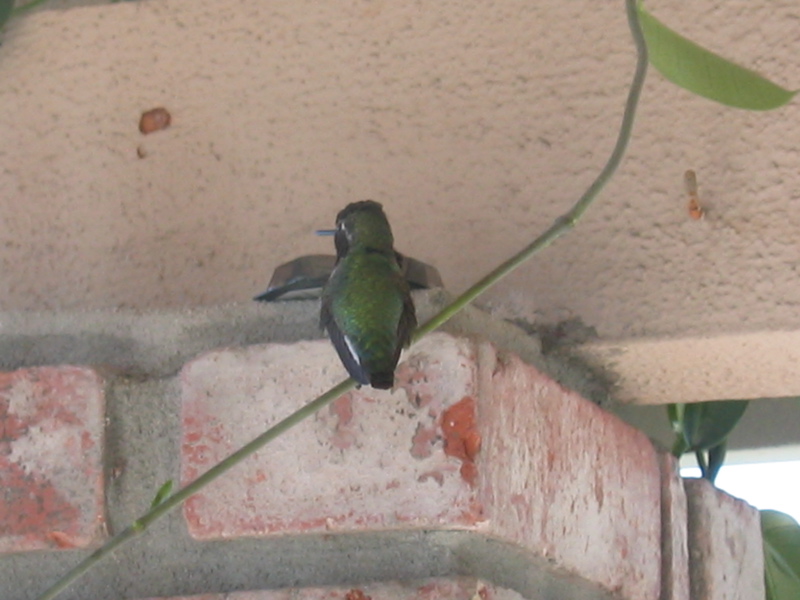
475	123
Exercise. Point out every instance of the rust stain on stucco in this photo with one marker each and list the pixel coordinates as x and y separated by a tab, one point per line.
154	120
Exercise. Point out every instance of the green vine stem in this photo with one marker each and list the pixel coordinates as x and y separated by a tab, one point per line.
561	225
568	220
158	511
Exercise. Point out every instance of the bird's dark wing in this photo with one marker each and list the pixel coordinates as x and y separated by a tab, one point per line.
407	323
408	317
343	349
325	314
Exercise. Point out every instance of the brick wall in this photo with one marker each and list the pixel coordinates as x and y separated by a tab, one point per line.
477	476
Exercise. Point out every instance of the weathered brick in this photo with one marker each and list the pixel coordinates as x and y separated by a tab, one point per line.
726	557
372	459
675	552
444	588
51	446
487	445
569	481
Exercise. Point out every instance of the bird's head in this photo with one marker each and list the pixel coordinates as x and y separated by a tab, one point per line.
362	225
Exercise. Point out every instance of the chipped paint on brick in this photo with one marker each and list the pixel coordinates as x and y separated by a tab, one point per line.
461	438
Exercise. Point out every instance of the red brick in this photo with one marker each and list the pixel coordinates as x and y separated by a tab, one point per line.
726	557
487	445
51	444
361	463
569	481
456	588
675	550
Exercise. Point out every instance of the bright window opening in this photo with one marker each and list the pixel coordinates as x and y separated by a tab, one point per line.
769	485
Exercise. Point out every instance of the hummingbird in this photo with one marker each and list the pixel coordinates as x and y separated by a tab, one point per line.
366	304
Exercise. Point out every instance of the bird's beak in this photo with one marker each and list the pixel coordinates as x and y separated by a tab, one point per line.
325	232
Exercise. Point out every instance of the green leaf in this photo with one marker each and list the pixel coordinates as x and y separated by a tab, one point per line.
708	424
675	415
679	447
707	74
781	535
5	10
716	457
162	494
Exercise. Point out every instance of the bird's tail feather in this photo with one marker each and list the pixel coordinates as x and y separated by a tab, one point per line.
382	381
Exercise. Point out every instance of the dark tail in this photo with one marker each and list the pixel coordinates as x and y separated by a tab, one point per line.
382	381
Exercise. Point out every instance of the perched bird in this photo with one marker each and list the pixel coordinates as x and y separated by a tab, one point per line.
366	304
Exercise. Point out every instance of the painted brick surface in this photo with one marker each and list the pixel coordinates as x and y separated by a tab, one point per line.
481	452
569	481
489	445
51	444
726	558
372	459
674	545
457	588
